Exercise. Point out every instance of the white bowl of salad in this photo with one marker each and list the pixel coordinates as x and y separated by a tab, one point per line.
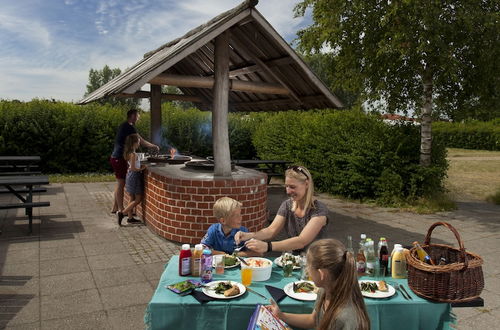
261	268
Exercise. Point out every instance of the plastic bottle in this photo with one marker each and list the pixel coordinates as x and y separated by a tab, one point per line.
383	256
196	260
206	266
380	242
363	239
361	260
368	239
422	255
349	245
392	254
398	267
185	260
371	259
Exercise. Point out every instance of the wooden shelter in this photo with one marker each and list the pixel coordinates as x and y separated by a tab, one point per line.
234	62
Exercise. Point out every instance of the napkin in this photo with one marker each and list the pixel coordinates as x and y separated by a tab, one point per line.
277	293
201	297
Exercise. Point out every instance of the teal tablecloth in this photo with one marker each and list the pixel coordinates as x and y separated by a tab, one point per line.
168	310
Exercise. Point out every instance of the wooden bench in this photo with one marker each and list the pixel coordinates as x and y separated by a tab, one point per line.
271	167
18	185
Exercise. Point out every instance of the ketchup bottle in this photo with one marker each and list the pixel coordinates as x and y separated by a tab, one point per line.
185	260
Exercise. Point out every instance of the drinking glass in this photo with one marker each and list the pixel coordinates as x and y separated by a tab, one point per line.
246	276
219	264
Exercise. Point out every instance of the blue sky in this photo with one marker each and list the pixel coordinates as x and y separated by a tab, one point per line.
47	47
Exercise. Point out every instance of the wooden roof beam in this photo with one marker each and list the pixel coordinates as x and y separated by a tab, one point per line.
168	97
239	70
280	102
208	82
242	48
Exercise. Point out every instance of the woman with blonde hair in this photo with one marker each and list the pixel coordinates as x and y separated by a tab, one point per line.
339	305
303	218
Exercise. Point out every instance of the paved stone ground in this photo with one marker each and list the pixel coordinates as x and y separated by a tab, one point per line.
79	270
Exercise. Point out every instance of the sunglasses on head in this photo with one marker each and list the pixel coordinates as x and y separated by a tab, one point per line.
298	169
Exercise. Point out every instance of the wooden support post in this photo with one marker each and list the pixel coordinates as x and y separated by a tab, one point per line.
155	124
220	132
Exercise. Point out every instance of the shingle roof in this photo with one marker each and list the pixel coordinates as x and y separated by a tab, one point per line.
258	54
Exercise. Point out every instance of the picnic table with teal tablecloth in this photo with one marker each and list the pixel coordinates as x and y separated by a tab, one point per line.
168	310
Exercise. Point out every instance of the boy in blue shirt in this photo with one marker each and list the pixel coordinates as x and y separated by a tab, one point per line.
220	236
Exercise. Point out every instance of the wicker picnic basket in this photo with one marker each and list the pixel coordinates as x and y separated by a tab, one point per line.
461	279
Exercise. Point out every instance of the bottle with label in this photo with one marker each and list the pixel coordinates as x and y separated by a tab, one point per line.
422	255
349	245
398	267
196	260
206	266
185	260
383	256
371	259
392	254
361	260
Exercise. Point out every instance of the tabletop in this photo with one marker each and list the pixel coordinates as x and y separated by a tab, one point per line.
19	159
24	180
167	309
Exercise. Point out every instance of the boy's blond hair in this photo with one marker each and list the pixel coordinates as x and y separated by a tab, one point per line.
224	206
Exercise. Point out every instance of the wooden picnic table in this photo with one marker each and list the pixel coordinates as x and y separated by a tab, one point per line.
19	165
26	182
271	167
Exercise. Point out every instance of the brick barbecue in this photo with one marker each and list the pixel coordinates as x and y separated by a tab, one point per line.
178	201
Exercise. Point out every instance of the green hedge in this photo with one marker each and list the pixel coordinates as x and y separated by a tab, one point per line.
69	138
353	154
468	135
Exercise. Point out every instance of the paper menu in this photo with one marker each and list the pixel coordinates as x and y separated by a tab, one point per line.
263	319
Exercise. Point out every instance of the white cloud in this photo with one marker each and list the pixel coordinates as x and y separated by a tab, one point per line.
99	32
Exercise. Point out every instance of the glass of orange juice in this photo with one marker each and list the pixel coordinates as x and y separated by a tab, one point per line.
246	276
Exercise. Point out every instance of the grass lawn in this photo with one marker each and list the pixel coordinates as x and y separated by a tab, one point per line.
473	174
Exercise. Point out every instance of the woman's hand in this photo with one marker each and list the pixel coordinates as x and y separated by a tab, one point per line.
242	236
256	245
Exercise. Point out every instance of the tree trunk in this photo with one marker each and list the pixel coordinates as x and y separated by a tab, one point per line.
426	124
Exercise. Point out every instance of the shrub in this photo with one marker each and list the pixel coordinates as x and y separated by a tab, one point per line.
353	154
469	134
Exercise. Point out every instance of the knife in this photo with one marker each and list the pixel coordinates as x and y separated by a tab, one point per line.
255	292
403	288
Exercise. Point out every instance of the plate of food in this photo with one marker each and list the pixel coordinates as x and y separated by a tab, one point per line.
376	289
224	289
230	261
288	257
302	290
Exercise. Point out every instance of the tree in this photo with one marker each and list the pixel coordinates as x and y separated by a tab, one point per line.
410	54
98	78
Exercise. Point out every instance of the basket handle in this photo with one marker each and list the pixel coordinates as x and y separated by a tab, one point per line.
457	236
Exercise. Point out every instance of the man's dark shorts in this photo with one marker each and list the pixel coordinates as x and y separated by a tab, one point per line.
119	166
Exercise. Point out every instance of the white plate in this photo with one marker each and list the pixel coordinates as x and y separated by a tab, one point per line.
227	267
378	294
308	296
211	293
277	261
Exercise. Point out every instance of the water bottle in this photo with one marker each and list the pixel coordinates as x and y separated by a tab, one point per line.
206	266
370	258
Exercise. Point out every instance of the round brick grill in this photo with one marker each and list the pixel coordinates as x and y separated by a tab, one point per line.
178	201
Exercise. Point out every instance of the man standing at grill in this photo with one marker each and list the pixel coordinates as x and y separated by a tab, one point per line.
117	161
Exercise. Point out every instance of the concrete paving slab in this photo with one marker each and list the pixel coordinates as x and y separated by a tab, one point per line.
66	283
118	276
21	256
63	252
126	295
19	284
19	309
57	241
64	266
24	326
106	261
127	318
153	271
95	321
25	269
104	248
68	304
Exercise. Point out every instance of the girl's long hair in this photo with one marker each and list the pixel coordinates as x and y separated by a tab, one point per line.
331	255
130	142
302	174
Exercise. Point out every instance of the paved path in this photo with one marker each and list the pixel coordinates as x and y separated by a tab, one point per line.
79	270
